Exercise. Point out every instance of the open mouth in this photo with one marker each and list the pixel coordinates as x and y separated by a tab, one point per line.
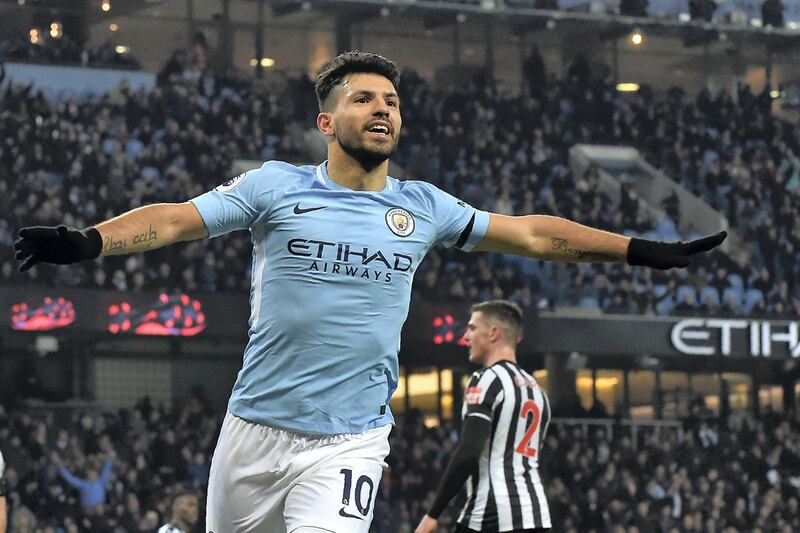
380	131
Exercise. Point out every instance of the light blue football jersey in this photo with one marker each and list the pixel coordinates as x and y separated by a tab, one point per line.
331	286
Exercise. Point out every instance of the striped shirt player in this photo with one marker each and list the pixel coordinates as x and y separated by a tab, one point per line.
507	494
185	511
506	414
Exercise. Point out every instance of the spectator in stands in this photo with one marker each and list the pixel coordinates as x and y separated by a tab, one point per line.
93	488
197	468
23	521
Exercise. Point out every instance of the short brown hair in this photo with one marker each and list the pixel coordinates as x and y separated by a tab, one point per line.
334	72
503	311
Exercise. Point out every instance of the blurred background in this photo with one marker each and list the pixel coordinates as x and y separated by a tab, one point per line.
675	394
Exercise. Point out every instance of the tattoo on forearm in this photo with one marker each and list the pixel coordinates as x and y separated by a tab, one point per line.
110	244
150	236
562	245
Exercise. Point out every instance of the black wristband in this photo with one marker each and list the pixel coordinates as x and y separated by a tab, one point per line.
93	244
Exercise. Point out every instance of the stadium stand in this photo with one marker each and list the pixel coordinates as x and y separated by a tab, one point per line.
82	159
65	51
738	473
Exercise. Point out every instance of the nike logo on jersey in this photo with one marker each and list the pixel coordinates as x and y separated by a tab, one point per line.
299	210
345	514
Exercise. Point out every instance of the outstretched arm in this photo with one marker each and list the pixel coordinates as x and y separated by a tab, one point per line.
558	239
106	473
139	230
76	482
151	227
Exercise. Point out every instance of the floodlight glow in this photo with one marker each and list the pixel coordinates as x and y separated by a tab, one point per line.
265	62
637	38
106	6
627	87
113	26
56	30
121	49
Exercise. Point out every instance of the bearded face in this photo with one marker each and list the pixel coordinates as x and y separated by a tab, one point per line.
367	118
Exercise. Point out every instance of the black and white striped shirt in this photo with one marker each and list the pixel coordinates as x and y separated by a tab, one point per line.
507	493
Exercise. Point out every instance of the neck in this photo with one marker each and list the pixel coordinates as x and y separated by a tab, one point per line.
348	172
182	524
504	353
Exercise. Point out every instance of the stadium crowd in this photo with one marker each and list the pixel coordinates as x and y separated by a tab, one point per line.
63	50
738	473
83	159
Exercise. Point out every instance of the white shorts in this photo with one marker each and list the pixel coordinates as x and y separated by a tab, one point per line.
268	480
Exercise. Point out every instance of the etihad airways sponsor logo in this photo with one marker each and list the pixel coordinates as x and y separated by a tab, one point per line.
349	259
759	338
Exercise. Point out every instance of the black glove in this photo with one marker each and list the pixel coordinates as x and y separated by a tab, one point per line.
60	245
665	255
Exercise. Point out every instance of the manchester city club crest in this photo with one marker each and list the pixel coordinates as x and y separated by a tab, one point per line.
400	221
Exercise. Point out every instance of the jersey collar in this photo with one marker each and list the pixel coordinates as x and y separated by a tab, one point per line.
324	178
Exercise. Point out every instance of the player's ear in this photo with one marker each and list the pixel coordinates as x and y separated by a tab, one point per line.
496	333
325	124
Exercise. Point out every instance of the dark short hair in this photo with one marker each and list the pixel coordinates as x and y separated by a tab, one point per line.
346	63
180	494
503	311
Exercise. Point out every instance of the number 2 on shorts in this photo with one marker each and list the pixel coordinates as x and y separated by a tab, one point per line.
529	407
357	495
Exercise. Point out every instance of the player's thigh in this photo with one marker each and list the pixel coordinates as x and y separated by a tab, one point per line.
337	497
247	485
240	510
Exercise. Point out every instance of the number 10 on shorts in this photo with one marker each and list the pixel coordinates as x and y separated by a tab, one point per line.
357	494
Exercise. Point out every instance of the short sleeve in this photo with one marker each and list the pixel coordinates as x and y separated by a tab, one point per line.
484	394
458	223
240	202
